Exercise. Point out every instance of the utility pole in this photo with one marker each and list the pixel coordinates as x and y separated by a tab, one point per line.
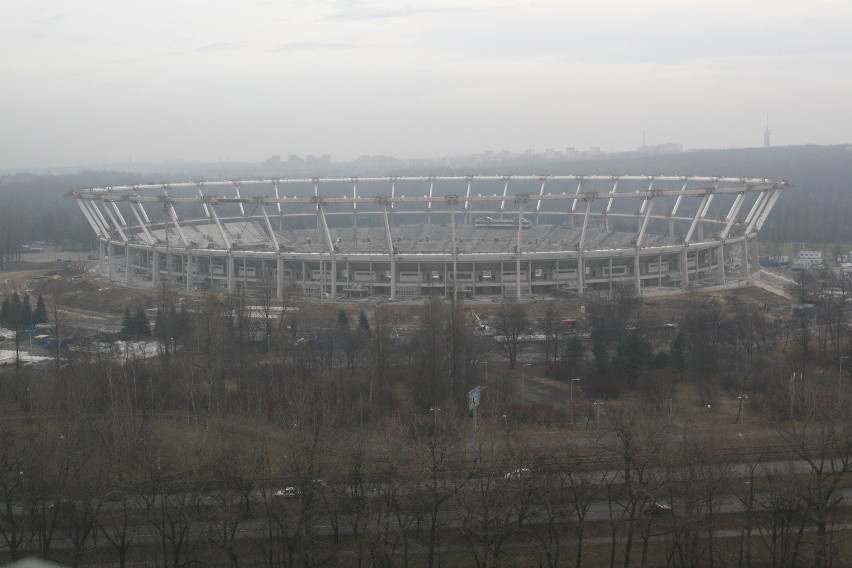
474	397
742	398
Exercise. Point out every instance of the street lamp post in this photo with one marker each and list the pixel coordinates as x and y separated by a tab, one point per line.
523	380
598	404
571	400
742	398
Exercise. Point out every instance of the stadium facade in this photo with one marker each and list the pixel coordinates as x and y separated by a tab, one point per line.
405	237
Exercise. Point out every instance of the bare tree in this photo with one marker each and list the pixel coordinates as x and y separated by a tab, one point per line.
511	324
486	516
12	492
550	327
438	448
638	443
821	439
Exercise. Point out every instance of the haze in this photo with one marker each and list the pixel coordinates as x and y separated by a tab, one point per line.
100	81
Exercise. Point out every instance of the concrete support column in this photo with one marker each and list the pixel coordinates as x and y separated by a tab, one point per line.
581	273
155	269
393	277
279	278
556	275
447	287
684	269
610	275
720	261
333	276
102	256
188	271
744	272
530	276
518	273
637	273
230	270
111	265
755	254
128	274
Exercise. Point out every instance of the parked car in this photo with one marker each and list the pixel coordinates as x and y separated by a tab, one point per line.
286	493
654	508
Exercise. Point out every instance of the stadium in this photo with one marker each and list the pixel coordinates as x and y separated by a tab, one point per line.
408	237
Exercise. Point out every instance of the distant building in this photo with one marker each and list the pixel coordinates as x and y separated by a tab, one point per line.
774	261
807	260
323	160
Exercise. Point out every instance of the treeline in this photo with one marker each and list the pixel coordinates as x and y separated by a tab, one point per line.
275	435
34	208
310	488
18	312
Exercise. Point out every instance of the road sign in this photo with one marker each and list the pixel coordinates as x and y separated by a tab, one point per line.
473	398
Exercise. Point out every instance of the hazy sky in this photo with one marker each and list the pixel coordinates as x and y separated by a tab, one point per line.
93	81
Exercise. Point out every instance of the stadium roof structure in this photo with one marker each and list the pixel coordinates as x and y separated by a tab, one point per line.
403	237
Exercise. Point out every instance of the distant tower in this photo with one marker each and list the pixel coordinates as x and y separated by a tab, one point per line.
766	134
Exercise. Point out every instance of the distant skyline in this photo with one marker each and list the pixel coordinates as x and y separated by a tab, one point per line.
98	81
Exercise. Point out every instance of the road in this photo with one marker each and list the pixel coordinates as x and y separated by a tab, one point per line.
345	524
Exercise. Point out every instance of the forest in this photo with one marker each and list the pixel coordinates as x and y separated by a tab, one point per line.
319	435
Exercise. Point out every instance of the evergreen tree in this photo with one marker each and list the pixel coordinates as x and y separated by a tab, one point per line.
25	316
6	311
678	353
40	313
15	309
363	323
633	356
601	357
127	323
573	355
342	319
141	324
